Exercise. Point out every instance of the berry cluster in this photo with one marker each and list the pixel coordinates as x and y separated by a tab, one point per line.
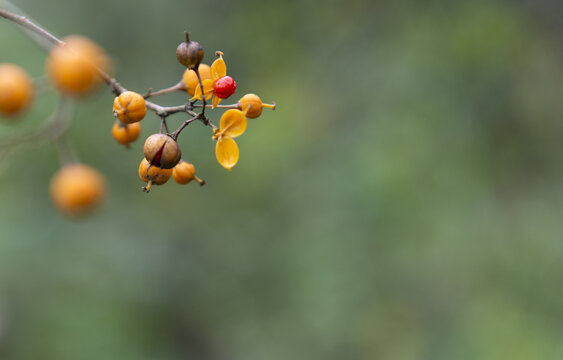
76	66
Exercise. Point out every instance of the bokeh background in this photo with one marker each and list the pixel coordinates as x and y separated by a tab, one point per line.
404	201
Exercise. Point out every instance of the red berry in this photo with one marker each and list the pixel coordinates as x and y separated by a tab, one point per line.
225	87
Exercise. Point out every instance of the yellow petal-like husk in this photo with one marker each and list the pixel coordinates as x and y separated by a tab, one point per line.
232	123
218	68
207	88
227	152
216	101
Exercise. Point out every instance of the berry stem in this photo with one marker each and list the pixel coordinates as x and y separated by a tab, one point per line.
164	124
147	188
66	155
202	91
199	181
180	86
231	106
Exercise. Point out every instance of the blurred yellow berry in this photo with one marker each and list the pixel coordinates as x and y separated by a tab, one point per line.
125	133
252	105
77	189
190	78
16	89
129	107
153	175
72	67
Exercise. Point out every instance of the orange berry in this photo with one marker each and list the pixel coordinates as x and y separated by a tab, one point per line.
125	133
77	189
162	151
129	107
72	67
252	104
16	89
184	172
190	78
153	175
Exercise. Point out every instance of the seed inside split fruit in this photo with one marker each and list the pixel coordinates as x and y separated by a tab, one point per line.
162	151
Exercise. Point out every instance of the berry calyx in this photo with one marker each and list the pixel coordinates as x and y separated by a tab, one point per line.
184	172
77	189
232	125
72	67
190	78
225	87
153	175
129	107
252	105
162	151
189	53
16	89
125	133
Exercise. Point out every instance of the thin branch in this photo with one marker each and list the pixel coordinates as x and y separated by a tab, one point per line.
52	129
232	106
164	124
115	87
202	90
180	86
27	24
175	134
65	152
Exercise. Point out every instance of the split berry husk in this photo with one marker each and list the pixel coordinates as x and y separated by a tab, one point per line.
162	151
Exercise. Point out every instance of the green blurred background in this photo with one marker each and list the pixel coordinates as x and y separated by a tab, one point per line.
404	201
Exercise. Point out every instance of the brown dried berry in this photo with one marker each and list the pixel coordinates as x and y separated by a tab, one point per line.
189	53
162	151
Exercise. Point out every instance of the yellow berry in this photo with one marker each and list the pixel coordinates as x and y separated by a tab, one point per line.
184	172
77	189
16	89
252	104
129	107
153	175
125	133
162	151
72	67
190	78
